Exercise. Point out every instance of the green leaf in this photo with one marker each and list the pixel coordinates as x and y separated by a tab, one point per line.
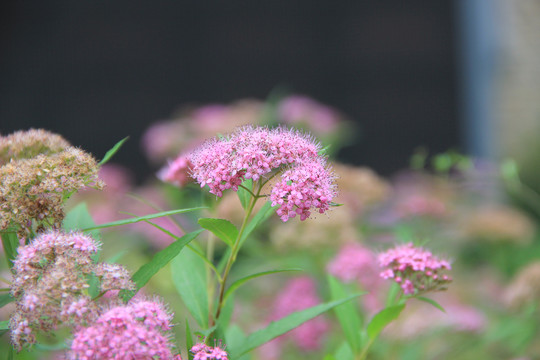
222	228
235	285
383	318
280	327
392	294
189	277
10	243
4	325
158	261
347	315
79	218
189	341
109	154
432	302
235	337
11	353
5	299
243	194
344	352
141	218
264	213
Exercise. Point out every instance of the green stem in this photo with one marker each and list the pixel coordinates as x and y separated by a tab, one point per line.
234	252
364	352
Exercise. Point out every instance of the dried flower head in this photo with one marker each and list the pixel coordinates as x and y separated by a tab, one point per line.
253	153
201	351
416	270
50	284
524	288
500	224
29	144
33	190
138	330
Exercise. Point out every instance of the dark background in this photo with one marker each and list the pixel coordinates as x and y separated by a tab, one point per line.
96	71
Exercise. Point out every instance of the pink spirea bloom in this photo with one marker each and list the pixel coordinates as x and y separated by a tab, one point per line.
177	171
299	109
254	152
134	331
300	294
201	351
354	262
414	269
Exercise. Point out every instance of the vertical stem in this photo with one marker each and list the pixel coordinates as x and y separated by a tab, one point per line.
234	251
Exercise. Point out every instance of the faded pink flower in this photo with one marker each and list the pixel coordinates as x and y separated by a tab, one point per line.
300	294
177	171
134	331
414	269
297	110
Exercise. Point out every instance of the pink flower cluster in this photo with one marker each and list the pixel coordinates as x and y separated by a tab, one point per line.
177	171
300	294
50	284
201	351
414	269
354	262
254	152
134	331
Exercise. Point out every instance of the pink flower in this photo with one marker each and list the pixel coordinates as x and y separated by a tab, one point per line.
253	153
201	351
134	331
300	294
177	171
415	269
297	109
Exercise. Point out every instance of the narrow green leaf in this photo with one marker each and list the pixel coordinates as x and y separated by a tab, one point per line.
344	352
264	213
383	318
235	337
392	294
5	299
222	228
347	315
280	327
4	325
51	347
243	194
189	341
142	218
189	277
109	154
79	218
10	242
235	285
432	302
329	357
11	353
226	313
158	261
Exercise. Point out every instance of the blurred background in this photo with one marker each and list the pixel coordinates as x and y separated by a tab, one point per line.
444	75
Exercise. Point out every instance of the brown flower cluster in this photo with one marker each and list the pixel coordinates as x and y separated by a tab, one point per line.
34	186
51	286
31	143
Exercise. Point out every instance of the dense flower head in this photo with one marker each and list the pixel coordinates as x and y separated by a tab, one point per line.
33	190
201	351
137	330
414	269
304	187
253	153
50	284
30	143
